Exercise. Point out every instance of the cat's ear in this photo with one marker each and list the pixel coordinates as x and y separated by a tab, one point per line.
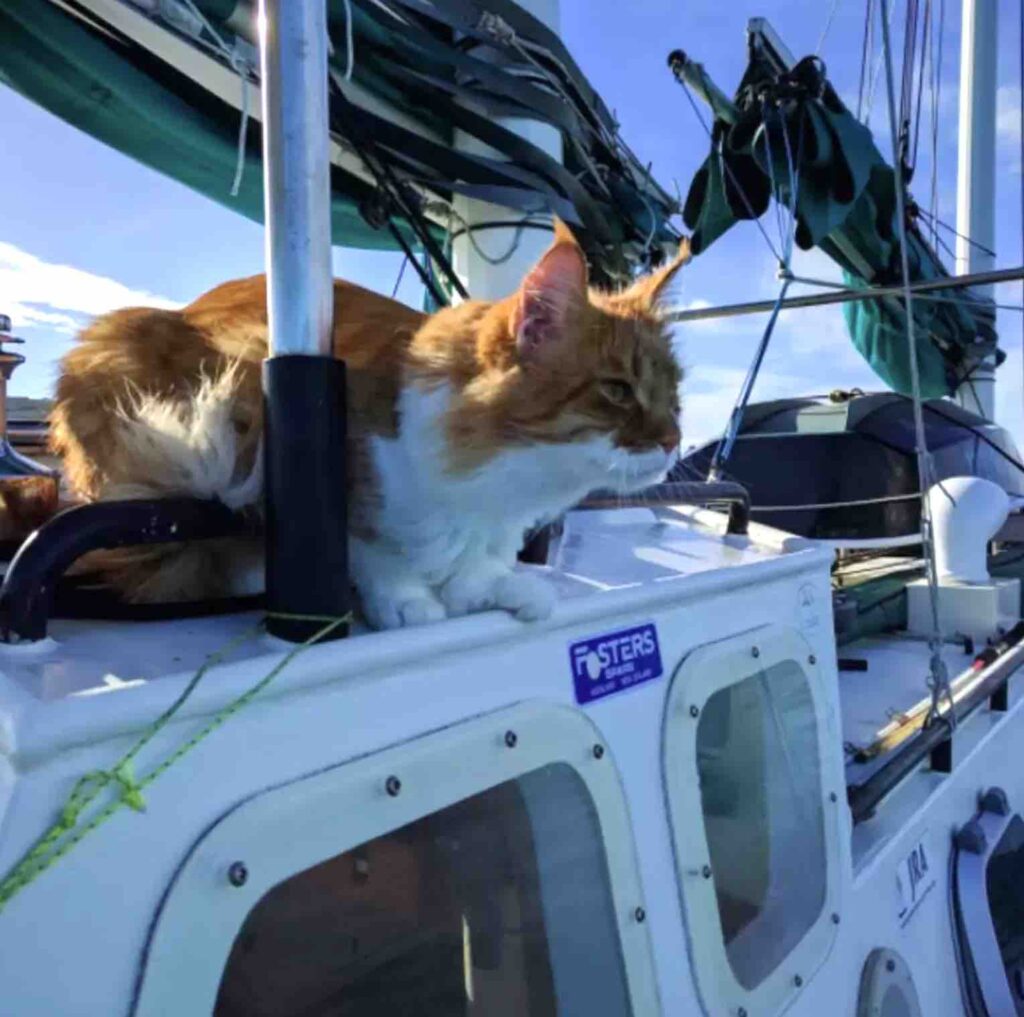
647	293
552	292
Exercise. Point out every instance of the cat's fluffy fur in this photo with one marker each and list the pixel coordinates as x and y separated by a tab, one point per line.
466	429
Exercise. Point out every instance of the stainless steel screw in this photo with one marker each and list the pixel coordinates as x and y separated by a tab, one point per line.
393	786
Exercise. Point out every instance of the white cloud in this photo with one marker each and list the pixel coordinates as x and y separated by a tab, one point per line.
1008	114
710	391
61	298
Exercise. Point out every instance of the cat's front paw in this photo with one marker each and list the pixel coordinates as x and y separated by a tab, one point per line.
491	585
384	612
529	597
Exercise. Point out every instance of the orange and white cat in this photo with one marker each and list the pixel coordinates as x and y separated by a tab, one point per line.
466	429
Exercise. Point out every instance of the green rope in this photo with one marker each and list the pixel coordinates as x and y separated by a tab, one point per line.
68	830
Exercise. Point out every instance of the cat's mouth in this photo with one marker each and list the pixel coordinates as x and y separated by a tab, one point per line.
636	470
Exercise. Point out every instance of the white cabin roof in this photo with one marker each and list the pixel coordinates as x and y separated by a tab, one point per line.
96	679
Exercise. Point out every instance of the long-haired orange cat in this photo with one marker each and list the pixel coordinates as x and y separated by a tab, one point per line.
467	428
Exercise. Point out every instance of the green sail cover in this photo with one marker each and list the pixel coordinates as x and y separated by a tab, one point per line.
100	74
149	112
846	205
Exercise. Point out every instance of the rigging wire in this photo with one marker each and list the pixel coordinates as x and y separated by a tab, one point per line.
867	47
938	675
716	148
398	281
870	101
724	447
936	51
936	298
1020	94
920	81
241	65
907	86
828	26
936	221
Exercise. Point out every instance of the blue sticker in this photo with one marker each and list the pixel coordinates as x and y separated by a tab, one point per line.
610	663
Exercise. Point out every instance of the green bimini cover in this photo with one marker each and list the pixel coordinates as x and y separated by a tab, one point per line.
148	78
146	109
791	125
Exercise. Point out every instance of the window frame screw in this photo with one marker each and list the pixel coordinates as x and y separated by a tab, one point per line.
511	739
835	918
695	711
393	786
755	652
798	981
238	874
639	915
706	871
597	751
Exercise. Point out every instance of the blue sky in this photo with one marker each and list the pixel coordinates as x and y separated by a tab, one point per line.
84	229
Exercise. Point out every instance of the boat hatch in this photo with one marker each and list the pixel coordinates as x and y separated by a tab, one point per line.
755	827
989	906
485	869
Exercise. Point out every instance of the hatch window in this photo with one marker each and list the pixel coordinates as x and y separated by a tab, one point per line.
760	789
755	830
496	905
487	868
989	906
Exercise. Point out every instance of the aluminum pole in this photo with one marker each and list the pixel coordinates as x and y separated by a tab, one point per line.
303	383
976	170
296	174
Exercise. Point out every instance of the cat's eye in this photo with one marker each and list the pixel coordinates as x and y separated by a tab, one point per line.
616	391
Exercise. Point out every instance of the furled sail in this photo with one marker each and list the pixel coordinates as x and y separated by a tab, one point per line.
787	135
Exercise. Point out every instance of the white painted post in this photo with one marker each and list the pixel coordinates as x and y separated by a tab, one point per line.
483	280
976	171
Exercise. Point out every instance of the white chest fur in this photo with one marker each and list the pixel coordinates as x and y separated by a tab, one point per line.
437	517
446	542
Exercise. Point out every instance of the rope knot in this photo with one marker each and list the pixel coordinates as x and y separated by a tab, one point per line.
131	790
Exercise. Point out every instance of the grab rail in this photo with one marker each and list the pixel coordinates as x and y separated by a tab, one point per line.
681	492
26	597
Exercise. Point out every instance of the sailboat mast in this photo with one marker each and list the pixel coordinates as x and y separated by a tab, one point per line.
976	172
492	261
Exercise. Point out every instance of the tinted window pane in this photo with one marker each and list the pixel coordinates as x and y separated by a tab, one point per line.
1004	883
499	905
761	795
